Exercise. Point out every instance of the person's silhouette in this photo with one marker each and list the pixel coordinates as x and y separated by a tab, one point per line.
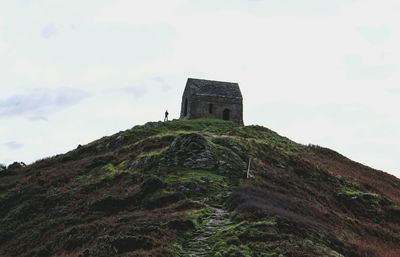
166	116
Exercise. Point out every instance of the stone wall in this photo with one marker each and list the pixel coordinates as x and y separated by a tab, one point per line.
199	107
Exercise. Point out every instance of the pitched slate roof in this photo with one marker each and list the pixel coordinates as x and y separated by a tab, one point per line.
214	88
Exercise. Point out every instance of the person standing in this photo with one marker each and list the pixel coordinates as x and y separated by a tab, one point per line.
166	116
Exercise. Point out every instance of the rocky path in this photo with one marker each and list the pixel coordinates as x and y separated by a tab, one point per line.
198	246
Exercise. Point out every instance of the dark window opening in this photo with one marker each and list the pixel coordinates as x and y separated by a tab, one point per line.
210	108
226	114
185	108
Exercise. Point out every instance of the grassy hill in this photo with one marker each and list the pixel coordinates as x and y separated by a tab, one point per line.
177	188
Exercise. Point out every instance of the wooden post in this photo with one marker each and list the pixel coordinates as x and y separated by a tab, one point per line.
248	168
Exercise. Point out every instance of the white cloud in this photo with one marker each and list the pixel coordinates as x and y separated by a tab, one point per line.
49	30
39	103
12	145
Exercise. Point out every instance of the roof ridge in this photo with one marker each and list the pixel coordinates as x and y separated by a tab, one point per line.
214	88
208	80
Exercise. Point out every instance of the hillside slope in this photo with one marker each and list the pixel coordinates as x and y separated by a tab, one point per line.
170	189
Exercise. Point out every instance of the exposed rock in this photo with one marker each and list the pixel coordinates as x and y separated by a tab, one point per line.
191	151
183	189
199	245
120	139
204	180
152	125
227	142
195	151
110	143
144	163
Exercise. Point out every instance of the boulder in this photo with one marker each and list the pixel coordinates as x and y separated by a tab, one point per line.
191	151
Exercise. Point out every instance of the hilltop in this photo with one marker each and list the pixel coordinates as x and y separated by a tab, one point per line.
174	188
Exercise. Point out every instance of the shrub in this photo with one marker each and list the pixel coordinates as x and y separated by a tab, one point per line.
151	185
16	165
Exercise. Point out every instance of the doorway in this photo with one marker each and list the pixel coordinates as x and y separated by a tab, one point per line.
210	108
226	114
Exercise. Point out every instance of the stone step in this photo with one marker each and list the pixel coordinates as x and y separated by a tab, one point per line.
198	246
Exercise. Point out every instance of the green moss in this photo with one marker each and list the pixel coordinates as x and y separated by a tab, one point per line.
157	152
242	233
200	217
233	250
206	125
239	228
350	192
110	170
123	165
149	144
263	135
200	185
187	175
227	155
353	192
177	249
320	249
96	176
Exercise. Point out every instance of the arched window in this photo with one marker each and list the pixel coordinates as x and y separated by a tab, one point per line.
226	114
210	108
185	108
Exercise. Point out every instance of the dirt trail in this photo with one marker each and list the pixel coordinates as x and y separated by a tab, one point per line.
198	246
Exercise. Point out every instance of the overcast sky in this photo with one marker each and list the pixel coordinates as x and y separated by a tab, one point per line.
317	71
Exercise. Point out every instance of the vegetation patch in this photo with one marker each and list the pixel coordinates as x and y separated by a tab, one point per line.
207	186
199	216
150	190
216	126
188	175
267	136
245	238
96	176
